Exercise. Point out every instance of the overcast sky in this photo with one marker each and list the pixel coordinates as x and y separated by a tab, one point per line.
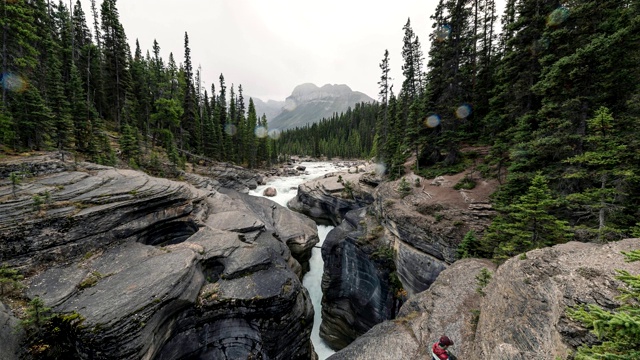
270	46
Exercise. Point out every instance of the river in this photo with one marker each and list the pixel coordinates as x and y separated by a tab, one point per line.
287	188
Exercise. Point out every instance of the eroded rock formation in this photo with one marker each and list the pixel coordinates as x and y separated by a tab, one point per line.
521	317
427	225
328	199
161	269
418	231
357	291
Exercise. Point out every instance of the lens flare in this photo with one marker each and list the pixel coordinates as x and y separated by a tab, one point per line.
432	121
442	32
274	134
230	129
13	82
261	132
557	16
463	111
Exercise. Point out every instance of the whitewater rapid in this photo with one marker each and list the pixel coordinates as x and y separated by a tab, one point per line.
287	188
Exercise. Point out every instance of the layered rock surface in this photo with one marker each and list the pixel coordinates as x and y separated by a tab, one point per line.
427	225
521	317
161	269
357	291
418	232
327	199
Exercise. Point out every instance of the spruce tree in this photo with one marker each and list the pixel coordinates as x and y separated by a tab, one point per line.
618	331
382	125
527	223
117	79
190	129
602	172
251	142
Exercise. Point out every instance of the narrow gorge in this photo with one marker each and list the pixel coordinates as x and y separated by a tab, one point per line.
207	267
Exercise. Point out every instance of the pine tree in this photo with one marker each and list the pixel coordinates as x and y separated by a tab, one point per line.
190	129
140	91
617	330
527	224
603	170
382	125
580	45
221	116
251	142
116	60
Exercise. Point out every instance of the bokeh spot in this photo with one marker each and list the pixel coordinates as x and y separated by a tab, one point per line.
274	134
463	111
557	16
230	129
13	82
443	32
260	132
432	121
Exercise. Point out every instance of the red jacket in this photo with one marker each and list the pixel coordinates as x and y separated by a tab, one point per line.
440	352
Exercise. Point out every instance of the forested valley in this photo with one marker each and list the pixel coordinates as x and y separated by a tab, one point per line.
551	88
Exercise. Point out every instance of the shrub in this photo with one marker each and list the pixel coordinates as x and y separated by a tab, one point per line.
469	246
482	279
465	183
404	188
10	281
348	189
50	335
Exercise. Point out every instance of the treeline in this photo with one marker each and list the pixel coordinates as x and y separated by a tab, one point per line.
556	97
350	134
66	87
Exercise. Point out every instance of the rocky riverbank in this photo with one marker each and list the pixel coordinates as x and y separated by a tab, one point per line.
158	269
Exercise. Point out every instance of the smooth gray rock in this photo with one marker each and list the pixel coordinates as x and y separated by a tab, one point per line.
160	269
522	316
10	334
270	191
357	293
325	201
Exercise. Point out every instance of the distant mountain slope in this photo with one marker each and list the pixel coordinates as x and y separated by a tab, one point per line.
271	108
309	103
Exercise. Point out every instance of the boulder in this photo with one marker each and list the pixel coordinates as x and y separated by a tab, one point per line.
270	191
522	316
327	200
225	175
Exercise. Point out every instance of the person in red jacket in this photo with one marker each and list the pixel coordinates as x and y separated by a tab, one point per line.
439	349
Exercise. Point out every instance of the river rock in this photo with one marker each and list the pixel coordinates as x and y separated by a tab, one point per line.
521	317
327	200
161	269
270	191
225	175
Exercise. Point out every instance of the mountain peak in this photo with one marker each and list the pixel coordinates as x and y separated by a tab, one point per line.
309	104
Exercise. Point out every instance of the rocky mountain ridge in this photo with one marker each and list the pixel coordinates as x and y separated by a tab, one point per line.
309	103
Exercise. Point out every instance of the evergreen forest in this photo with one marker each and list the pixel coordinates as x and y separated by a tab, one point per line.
71	88
551	88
